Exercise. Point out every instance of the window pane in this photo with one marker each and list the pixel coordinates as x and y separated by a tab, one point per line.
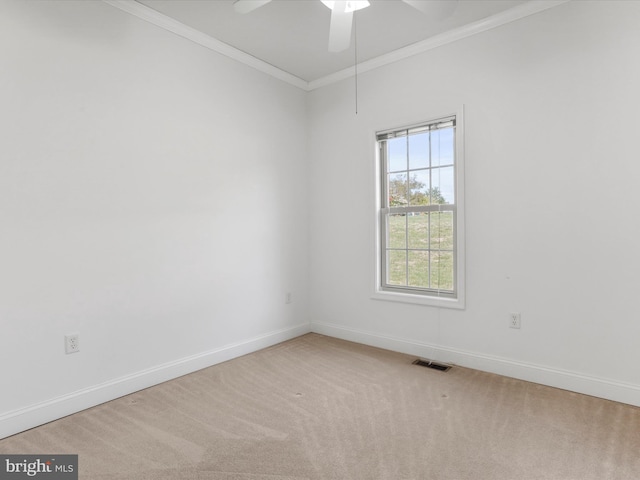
419	187
396	231
442	185
418	229
419	151
442	270
398	190
441	231
442	147
397	149
419	269
397	267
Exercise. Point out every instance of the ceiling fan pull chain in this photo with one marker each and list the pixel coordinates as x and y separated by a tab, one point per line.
355	51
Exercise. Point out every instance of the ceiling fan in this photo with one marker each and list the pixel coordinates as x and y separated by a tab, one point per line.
342	15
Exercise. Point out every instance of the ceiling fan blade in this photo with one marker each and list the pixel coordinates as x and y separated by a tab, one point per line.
437	10
340	29
246	6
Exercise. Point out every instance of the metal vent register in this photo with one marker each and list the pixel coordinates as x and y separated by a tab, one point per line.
431	364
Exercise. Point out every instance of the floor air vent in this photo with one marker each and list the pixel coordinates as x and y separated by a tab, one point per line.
433	365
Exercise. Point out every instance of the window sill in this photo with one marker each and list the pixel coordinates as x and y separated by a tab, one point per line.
456	303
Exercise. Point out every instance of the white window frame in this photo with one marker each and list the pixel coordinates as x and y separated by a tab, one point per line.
409	294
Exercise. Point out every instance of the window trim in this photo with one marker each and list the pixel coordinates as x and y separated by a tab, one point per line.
404	294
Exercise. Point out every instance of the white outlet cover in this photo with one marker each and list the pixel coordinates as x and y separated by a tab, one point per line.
72	343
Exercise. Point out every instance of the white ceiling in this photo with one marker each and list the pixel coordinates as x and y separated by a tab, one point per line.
292	35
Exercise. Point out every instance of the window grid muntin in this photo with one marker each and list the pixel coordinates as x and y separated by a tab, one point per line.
386	211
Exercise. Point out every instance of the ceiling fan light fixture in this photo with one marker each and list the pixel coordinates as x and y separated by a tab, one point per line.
351	6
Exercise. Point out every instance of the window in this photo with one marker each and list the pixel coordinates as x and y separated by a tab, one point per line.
420	217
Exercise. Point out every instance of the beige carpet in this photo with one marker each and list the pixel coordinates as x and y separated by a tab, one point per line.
321	408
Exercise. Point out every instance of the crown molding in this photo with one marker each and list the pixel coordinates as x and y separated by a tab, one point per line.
494	21
163	21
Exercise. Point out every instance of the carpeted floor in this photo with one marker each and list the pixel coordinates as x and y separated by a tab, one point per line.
321	408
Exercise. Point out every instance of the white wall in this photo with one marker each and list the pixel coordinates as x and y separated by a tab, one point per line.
551	104
152	199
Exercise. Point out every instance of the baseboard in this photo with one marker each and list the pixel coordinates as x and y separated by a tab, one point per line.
575	382
53	409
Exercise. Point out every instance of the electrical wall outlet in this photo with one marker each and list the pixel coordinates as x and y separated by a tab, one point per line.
287	297
514	320
72	343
